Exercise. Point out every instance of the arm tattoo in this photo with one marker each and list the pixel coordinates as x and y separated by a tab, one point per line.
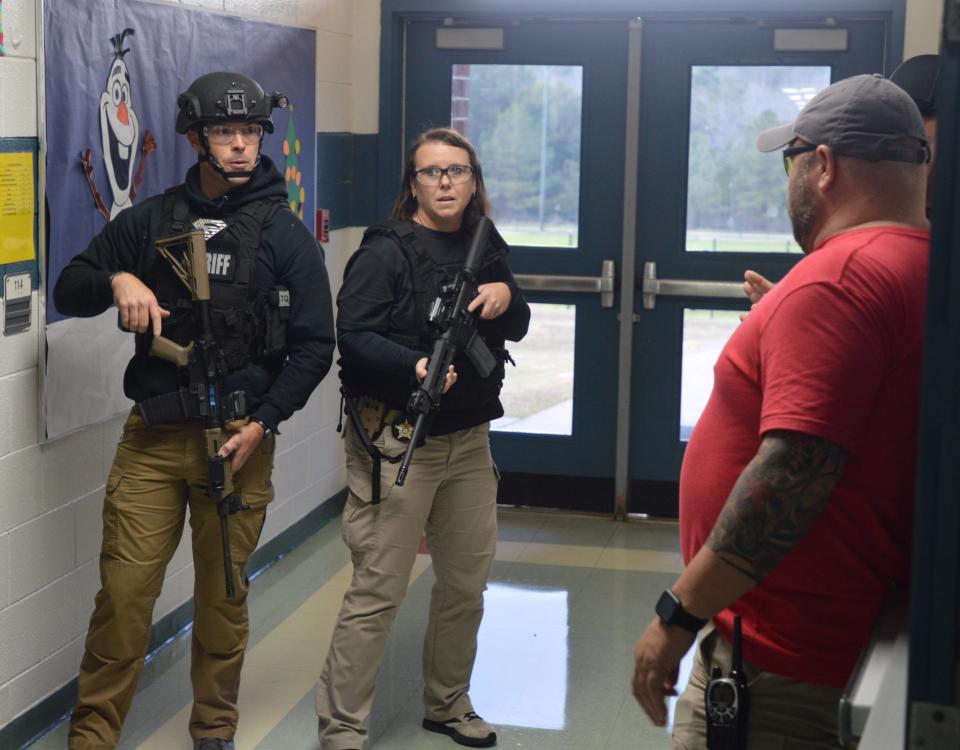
776	501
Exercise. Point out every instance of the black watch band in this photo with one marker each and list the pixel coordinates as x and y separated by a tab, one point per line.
671	611
267	432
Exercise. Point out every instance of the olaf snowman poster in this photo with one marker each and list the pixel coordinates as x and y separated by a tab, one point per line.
119	135
113	71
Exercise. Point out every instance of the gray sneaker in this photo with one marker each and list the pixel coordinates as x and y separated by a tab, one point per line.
468	729
212	743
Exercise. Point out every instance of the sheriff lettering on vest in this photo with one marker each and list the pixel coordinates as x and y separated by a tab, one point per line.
388	310
255	342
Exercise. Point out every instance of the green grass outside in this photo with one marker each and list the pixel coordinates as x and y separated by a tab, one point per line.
543	376
701	240
534	238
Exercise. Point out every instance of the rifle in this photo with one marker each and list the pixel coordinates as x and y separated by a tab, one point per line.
203	360
457	331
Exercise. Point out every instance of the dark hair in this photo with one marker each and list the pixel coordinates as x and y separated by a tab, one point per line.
405	206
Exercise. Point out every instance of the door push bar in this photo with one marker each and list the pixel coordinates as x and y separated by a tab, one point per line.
654	287
602	283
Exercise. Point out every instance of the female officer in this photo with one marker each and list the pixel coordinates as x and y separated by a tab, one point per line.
452	484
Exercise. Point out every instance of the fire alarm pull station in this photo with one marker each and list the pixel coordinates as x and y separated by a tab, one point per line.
323	224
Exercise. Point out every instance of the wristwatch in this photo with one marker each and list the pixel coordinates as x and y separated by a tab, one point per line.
267	432
671	611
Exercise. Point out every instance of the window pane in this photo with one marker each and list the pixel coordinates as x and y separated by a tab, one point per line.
704	334
524	121
737	196
538	393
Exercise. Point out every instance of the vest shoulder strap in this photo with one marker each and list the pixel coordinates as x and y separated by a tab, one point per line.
264	210
176	210
419	262
398	231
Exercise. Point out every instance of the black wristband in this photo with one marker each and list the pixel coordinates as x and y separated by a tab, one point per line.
671	611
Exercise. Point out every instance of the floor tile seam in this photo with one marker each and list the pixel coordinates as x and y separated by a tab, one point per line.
293	638
416	572
400	712
255	639
390	722
595	564
279	668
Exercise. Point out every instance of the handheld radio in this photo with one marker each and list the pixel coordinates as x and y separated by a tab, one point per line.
727	702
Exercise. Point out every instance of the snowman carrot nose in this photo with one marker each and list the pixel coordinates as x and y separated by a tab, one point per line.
122	113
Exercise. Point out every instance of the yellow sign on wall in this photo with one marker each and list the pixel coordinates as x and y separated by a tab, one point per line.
16	207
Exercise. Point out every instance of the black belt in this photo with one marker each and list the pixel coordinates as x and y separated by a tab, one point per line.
189	404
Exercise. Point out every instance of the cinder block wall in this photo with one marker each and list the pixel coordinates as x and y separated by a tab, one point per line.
51	494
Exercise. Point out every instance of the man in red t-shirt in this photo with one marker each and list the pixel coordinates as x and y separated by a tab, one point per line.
796	491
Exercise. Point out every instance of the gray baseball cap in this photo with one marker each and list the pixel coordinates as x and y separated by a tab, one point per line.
865	116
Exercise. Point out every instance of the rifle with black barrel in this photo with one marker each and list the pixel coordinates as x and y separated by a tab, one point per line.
457	332
202	359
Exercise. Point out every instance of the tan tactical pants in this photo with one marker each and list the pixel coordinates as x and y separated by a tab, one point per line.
157	473
451	493
784	714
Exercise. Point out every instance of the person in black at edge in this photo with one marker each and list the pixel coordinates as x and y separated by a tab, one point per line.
276	347
452	486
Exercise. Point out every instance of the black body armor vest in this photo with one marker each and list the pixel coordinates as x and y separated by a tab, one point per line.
427	275
249	324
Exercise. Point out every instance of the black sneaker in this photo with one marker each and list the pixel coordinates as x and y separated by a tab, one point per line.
468	729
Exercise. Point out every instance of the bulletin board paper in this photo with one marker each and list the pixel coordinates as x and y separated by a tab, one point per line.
16	207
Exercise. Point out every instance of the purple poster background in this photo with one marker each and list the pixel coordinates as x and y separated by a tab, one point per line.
169	48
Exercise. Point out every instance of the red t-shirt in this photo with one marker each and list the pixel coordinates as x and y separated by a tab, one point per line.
834	351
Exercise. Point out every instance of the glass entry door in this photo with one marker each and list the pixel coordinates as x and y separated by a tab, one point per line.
545	111
598	417
711	206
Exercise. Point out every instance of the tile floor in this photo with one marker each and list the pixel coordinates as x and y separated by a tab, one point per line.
568	597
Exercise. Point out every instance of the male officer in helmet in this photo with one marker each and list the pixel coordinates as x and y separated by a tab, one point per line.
271	315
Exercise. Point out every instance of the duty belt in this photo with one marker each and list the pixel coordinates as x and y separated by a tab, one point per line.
188	404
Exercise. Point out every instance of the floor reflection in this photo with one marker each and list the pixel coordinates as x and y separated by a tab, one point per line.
569	596
520	678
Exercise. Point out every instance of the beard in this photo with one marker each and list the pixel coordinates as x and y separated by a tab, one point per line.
802	205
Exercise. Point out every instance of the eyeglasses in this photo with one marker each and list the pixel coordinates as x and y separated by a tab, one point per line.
223	135
789	153
456	173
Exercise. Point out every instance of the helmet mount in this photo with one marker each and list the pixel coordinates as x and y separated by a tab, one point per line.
221	97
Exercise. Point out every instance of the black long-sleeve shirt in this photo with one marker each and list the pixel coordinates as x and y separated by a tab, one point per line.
377	299
288	256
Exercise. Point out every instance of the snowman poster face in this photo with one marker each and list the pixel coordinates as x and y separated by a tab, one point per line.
119	127
119	136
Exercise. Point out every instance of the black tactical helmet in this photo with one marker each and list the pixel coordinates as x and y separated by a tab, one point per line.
918	77
226	96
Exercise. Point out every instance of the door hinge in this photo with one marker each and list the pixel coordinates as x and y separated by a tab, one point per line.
934	727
